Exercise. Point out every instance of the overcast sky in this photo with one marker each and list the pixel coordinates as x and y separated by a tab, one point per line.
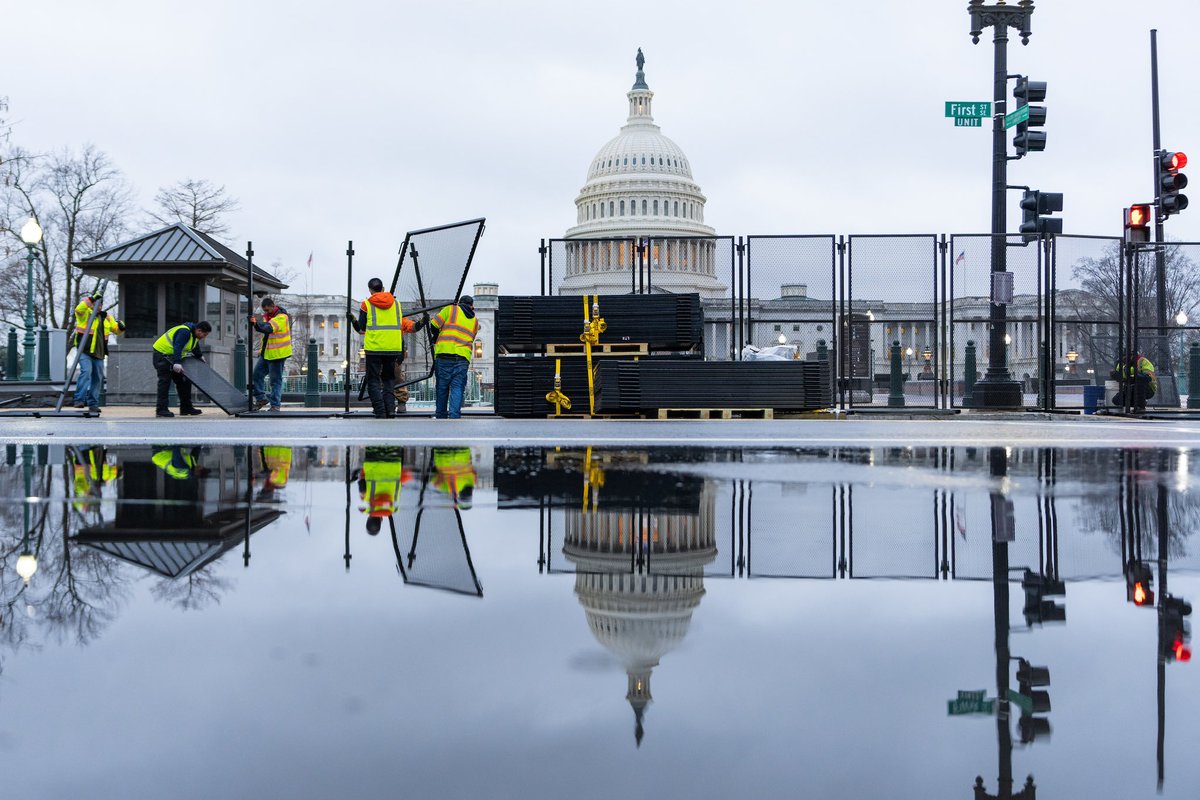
362	119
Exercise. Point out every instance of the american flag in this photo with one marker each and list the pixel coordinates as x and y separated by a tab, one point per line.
961	258
310	260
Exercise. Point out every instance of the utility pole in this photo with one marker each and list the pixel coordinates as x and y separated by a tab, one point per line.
997	389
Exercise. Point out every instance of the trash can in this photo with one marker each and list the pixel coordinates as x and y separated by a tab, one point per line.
1092	397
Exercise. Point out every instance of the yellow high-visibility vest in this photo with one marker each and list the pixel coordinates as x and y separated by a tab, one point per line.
456	332
278	343
165	345
382	491
384	328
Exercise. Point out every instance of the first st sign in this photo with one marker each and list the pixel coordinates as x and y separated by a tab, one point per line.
968	114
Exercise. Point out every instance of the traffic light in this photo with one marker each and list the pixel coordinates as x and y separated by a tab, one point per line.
1170	182
1174	633
1139	584
1028	92
1034	205
1032	701
1038	610
1137	223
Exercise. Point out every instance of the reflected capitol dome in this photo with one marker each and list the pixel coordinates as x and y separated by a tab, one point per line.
640	616
640	187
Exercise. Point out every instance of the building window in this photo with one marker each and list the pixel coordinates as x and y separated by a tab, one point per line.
141	309
656	208
212	308
643	207
778	328
336	348
677	208
795	327
610	208
622	208
626	164
321	349
182	303
643	161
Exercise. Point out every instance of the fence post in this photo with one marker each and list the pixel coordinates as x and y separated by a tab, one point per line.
969	374
312	395
1194	376
822	350
43	358
896	396
12	369
239	364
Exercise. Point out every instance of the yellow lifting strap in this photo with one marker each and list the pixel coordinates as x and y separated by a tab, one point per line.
593	326
593	479
557	397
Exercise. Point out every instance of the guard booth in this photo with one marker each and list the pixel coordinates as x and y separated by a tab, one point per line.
173	275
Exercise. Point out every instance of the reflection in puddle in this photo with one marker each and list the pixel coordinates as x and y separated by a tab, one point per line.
1043	531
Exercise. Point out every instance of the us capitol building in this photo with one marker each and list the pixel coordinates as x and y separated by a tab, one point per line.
640	187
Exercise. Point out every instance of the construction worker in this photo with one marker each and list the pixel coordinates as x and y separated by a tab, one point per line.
177	462
277	466
92	473
456	328
169	351
454	474
93	326
276	346
379	481
1138	378
383	326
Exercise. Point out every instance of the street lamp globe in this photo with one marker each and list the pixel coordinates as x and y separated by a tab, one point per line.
26	566
1072	355
782	339
1181	318
31	232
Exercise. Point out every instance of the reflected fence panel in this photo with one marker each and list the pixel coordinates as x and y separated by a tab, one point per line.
889	295
791	535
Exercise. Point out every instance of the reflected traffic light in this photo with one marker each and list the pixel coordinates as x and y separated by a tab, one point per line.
1032	700
1174	633
1038	609
1139	584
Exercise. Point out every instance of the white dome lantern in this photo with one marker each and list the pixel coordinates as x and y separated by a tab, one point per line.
639	187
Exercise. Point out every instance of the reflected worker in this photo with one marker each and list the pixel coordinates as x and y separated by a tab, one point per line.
178	463
169	351
383	326
454	474
379	482
456	328
92	473
276	347
276	467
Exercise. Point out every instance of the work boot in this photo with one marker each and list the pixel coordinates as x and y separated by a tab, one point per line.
190	412
164	412
80	404
260	404
94	410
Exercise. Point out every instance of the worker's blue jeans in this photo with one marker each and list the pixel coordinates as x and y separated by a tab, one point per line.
451	375
274	367
90	380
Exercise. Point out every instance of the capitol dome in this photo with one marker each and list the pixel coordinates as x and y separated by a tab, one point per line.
640	193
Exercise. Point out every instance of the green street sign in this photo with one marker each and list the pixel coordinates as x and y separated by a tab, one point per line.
1016	117
1024	702
979	109
968	122
974	702
958	708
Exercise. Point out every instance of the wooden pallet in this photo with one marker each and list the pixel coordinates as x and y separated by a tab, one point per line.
626	349
716	413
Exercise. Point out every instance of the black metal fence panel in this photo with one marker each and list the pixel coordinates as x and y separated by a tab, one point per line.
1087	314
890	295
791	294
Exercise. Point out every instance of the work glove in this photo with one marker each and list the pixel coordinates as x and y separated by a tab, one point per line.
121	326
177	369
102	314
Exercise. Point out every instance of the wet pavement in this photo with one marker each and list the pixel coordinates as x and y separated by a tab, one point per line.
511	618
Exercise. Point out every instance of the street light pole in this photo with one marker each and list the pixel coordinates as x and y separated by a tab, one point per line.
997	389
31	234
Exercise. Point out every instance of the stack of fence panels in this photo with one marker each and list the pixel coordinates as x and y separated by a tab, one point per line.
643	386
533	333
666	322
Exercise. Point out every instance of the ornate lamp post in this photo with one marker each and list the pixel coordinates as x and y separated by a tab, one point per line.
31	234
997	389
1072	355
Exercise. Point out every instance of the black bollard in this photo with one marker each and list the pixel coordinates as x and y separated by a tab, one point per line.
43	354
312	394
896	396
1193	400
12	367
239	364
969	375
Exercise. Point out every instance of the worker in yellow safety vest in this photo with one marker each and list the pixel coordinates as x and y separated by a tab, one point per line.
93	326
454	474
383	326
176	462
170	349
379	481
276	346
276	467
1138	377
456	327
92	473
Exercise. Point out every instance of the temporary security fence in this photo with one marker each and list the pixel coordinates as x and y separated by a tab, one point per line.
908	319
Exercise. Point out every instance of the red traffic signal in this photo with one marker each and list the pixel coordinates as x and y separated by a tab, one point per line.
1171	182
1174	160
1139	582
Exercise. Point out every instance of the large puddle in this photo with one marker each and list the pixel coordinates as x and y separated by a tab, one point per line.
318	622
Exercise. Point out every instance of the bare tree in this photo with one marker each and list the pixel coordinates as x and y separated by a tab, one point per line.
196	203
1094	307
82	203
